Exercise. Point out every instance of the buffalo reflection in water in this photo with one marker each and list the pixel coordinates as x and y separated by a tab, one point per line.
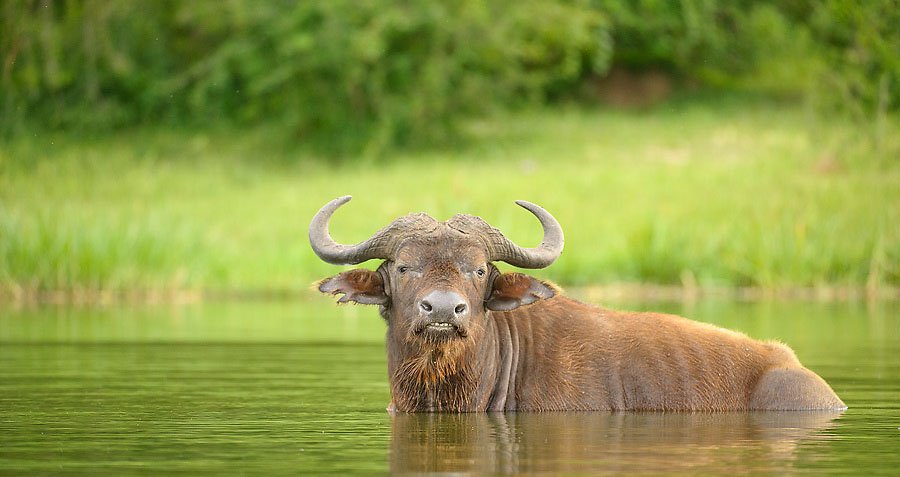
602	442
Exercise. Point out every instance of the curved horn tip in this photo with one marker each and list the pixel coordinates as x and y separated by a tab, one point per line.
331	206
532	207
552	244
322	244
342	199
527	205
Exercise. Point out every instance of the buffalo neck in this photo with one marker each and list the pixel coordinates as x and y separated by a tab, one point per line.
506	345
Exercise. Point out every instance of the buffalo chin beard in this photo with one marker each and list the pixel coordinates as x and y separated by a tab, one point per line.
434	374
440	332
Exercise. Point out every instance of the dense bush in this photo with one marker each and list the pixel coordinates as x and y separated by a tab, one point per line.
362	76
842	55
346	75
859	47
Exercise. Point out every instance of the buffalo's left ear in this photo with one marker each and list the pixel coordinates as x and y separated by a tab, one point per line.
360	286
512	290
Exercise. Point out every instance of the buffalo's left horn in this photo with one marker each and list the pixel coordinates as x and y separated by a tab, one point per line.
338	254
504	250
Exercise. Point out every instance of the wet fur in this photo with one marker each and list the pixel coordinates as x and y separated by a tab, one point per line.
433	382
431	375
525	346
580	357
573	356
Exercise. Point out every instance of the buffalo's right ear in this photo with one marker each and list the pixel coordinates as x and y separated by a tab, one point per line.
360	286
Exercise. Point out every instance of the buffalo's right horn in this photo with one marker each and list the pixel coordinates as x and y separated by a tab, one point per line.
338	254
382	245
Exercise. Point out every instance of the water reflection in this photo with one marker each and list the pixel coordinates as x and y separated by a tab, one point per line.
219	389
602	442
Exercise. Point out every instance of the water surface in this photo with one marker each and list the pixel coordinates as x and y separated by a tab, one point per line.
298	387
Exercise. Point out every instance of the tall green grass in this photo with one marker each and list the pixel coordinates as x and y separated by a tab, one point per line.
695	193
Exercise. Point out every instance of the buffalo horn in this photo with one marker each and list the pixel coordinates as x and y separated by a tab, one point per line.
504	250
338	254
383	244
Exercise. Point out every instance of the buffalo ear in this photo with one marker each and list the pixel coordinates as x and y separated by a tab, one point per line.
512	290
361	286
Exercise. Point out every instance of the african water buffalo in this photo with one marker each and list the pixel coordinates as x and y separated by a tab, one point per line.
464	337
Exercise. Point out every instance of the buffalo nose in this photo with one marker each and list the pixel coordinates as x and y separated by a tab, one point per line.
443	304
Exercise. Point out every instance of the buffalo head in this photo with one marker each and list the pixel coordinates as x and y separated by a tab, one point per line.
438	280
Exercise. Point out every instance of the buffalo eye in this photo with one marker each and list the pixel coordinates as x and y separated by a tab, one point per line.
480	272
402	269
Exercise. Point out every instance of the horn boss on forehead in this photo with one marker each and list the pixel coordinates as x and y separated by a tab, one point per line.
384	243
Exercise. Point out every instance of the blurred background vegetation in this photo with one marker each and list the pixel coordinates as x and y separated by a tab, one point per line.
370	75
169	144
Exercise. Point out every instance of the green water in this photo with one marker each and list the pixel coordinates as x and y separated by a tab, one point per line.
300	387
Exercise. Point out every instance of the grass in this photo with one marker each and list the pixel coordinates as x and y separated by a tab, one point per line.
697	194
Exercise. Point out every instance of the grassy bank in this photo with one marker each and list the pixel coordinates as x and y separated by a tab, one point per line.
696	194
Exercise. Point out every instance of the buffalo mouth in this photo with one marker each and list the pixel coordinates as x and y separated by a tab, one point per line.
440	330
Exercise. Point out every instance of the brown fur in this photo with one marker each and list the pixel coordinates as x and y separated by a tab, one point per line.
523	346
582	357
426	383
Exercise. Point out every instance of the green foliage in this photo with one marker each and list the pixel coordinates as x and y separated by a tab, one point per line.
861	56
841	55
353	77
347	76
709	40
